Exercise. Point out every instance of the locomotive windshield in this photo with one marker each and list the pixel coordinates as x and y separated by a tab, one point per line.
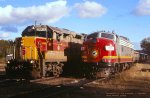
103	35
93	35
30	31
34	33
107	35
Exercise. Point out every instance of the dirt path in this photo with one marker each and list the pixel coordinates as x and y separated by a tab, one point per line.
132	83
134	78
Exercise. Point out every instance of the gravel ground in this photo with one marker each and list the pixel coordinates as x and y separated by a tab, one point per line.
19	88
132	83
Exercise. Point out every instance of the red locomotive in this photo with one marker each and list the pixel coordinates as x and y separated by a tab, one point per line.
105	53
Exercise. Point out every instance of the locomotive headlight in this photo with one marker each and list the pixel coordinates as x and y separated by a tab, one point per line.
94	53
8	62
109	48
31	61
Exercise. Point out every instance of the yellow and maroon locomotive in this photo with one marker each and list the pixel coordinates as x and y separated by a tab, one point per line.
42	51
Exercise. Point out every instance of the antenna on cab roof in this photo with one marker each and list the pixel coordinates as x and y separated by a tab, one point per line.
113	31
35	22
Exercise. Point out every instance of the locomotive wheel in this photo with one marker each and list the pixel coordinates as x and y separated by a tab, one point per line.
116	68
48	74
56	73
126	66
57	70
120	68
91	72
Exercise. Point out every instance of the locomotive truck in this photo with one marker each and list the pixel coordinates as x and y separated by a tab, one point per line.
42	51
105	53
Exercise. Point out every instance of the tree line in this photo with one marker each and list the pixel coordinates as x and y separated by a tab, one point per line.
5	48
145	45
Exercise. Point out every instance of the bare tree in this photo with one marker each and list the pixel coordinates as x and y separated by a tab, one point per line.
145	45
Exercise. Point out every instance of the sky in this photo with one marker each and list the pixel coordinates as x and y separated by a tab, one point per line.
129	18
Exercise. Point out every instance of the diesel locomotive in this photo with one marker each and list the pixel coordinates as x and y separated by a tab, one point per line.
42	51
105	53
47	51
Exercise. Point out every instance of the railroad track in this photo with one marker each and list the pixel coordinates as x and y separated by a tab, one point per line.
145	70
2	77
42	79
8	83
4	83
52	90
47	91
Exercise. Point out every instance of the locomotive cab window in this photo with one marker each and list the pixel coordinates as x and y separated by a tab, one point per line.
34	32
40	33
107	35
92	36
